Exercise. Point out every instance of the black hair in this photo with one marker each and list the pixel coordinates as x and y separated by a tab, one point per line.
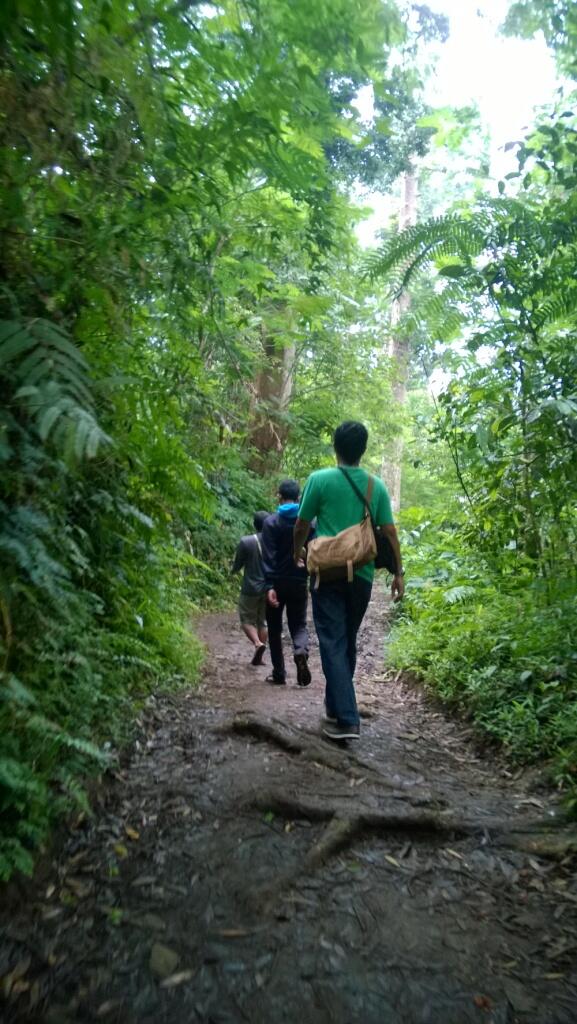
258	519
350	441
289	490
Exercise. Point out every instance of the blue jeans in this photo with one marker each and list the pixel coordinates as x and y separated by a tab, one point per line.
338	610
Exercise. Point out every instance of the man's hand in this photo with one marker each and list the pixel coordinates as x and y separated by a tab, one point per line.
397	588
272	598
301	533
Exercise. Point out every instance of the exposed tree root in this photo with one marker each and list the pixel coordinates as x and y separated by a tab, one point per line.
363	819
348	821
309	748
552	845
349	818
338	834
536	837
269	730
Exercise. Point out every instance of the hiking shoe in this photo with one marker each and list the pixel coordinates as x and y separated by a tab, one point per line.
341	732
258	655
275	681
303	671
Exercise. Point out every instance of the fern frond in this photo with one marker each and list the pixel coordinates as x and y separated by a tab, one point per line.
456	595
562	307
51	384
417	246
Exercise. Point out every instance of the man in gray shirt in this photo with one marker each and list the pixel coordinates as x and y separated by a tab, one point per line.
252	597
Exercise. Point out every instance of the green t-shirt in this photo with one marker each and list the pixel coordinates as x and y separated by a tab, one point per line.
330	497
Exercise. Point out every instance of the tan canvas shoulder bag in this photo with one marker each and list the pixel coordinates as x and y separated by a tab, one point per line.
338	557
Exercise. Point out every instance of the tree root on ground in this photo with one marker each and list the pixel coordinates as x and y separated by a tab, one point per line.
349	818
364	818
309	748
533	837
348	821
553	845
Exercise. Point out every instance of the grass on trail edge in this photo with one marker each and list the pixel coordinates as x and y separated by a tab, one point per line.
508	660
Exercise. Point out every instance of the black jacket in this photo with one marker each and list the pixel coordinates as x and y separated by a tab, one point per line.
278	550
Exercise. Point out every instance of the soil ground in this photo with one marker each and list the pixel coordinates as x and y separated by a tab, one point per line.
241	868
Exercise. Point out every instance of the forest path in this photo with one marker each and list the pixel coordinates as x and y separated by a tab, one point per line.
240	868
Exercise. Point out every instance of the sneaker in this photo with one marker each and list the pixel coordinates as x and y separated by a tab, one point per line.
341	732
258	655
303	671
275	681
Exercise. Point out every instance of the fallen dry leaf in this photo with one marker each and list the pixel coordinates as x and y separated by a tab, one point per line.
163	961
176	979
144	880
10	981
232	933
132	833
20	986
483	1002
105	1008
453	853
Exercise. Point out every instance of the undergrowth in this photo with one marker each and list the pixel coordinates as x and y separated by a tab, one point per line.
84	683
500	647
101	569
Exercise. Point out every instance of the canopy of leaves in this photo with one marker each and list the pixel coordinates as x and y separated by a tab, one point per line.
179	296
495	309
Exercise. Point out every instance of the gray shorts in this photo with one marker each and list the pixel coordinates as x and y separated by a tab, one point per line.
252	610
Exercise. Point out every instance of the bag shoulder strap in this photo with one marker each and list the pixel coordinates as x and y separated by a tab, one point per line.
366	500
256	537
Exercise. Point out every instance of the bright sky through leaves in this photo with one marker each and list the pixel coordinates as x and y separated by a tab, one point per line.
505	77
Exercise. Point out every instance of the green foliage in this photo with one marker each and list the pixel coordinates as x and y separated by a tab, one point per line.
502	650
428	477
490	620
508	414
557	20
177	248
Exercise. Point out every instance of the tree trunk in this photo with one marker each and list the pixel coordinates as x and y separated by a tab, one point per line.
399	350
271	396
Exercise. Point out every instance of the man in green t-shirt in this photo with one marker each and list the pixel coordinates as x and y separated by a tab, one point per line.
339	606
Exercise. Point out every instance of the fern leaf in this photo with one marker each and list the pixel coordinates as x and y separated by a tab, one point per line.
48	418
456	595
17	341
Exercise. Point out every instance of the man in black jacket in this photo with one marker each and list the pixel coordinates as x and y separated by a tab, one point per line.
286	585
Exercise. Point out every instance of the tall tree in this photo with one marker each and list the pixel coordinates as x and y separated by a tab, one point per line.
400	350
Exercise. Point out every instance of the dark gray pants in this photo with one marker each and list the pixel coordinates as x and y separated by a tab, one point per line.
292	595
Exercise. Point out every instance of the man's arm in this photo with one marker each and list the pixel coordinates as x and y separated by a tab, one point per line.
269	561
309	508
301	534
398	584
268	549
239	558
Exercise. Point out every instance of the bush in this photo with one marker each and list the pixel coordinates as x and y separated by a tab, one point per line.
503	649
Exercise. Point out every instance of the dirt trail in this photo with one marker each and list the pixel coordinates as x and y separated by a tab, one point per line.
240	868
